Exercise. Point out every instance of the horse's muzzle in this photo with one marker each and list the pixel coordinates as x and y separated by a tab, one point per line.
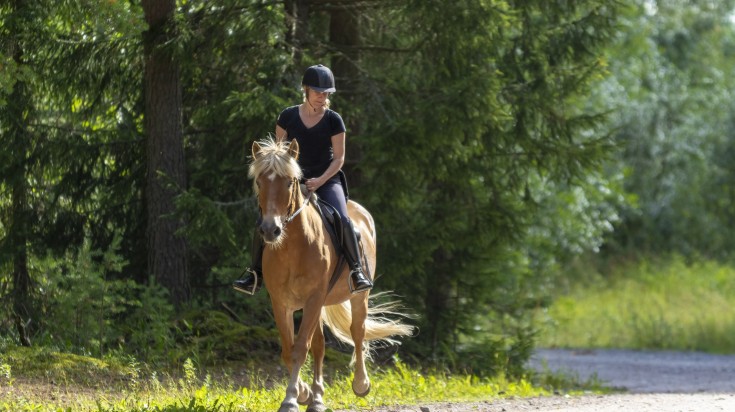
270	230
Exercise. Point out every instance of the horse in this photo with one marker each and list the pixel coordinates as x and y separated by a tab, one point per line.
299	260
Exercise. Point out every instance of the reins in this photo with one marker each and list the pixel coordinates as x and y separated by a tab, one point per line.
303	205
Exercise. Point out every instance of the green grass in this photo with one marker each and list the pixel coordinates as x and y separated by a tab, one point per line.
401	385
49	381
648	305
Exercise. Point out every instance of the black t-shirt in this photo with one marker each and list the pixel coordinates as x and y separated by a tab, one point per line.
315	143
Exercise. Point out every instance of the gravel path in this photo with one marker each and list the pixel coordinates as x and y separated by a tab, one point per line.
652	381
645	372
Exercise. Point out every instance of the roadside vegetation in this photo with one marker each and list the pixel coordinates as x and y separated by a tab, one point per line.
54	381
666	304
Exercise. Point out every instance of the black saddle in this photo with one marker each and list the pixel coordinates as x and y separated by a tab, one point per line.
332	222
334	226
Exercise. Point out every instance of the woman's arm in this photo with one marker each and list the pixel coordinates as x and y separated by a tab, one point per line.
338	149
280	133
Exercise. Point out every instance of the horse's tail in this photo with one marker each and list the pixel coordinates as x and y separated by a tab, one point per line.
382	323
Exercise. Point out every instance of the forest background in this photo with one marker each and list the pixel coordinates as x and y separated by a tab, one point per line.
507	150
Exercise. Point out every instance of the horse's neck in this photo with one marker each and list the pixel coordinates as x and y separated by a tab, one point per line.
312	223
308	222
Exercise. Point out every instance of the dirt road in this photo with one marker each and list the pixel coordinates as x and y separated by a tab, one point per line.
652	381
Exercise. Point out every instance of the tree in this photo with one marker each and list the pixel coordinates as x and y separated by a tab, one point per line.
670	91
467	113
165	151
68	174
466	116
15	121
345	41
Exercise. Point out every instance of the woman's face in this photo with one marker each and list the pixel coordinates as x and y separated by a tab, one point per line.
317	99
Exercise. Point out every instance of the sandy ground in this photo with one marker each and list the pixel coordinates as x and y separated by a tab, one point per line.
651	381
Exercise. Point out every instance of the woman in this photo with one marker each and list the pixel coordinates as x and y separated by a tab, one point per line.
321	136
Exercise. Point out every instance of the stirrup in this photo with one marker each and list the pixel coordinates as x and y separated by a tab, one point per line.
256	281
353	288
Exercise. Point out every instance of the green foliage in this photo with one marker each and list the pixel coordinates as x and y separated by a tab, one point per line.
6	374
89	311
672	100
468	137
651	304
81	280
481	156
147	326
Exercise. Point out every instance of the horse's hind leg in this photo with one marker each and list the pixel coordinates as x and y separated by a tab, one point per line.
359	306
316	403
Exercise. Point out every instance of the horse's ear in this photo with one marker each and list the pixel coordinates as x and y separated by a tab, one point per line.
293	149
256	149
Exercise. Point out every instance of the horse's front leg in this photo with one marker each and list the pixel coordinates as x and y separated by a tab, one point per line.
311	317
317	387
284	322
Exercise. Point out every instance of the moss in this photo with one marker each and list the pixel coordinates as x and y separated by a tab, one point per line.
215	337
40	362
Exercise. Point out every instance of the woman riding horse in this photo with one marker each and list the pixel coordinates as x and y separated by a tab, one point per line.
320	133
299	266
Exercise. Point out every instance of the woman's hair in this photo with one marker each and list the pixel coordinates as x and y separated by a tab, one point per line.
306	89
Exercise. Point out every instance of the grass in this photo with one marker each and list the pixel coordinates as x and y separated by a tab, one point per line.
58	382
648	305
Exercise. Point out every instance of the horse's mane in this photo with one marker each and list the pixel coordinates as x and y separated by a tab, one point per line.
273	157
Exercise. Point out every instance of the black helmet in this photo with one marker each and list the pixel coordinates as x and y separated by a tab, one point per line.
319	78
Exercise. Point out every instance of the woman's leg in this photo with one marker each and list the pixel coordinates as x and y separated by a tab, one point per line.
333	193
254	280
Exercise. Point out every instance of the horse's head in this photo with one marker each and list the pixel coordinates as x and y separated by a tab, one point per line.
276	174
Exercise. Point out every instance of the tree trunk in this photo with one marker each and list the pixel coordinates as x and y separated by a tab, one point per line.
166	175
344	36
297	22
16	118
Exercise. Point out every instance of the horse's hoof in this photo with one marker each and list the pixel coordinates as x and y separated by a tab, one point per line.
316	407
309	399
288	407
305	395
363	394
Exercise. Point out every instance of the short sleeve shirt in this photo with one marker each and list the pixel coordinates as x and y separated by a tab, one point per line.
315	143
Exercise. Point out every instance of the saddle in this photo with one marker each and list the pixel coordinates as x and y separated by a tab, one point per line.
332	221
331	218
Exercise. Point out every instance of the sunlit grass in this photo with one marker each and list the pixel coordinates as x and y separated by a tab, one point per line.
398	386
650	305
132	391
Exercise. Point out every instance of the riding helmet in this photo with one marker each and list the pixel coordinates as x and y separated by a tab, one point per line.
319	78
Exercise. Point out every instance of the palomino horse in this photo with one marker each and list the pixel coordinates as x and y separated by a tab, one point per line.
298	262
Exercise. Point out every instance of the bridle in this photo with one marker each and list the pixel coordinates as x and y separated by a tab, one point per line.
293	215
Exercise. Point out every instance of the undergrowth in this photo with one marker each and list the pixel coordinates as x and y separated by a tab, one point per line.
670	305
116	386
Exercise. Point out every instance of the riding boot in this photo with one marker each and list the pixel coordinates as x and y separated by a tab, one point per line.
254	280
358	281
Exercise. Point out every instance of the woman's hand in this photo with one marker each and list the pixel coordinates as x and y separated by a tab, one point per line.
313	184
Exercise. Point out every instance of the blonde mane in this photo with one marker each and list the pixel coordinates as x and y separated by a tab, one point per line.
273	157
